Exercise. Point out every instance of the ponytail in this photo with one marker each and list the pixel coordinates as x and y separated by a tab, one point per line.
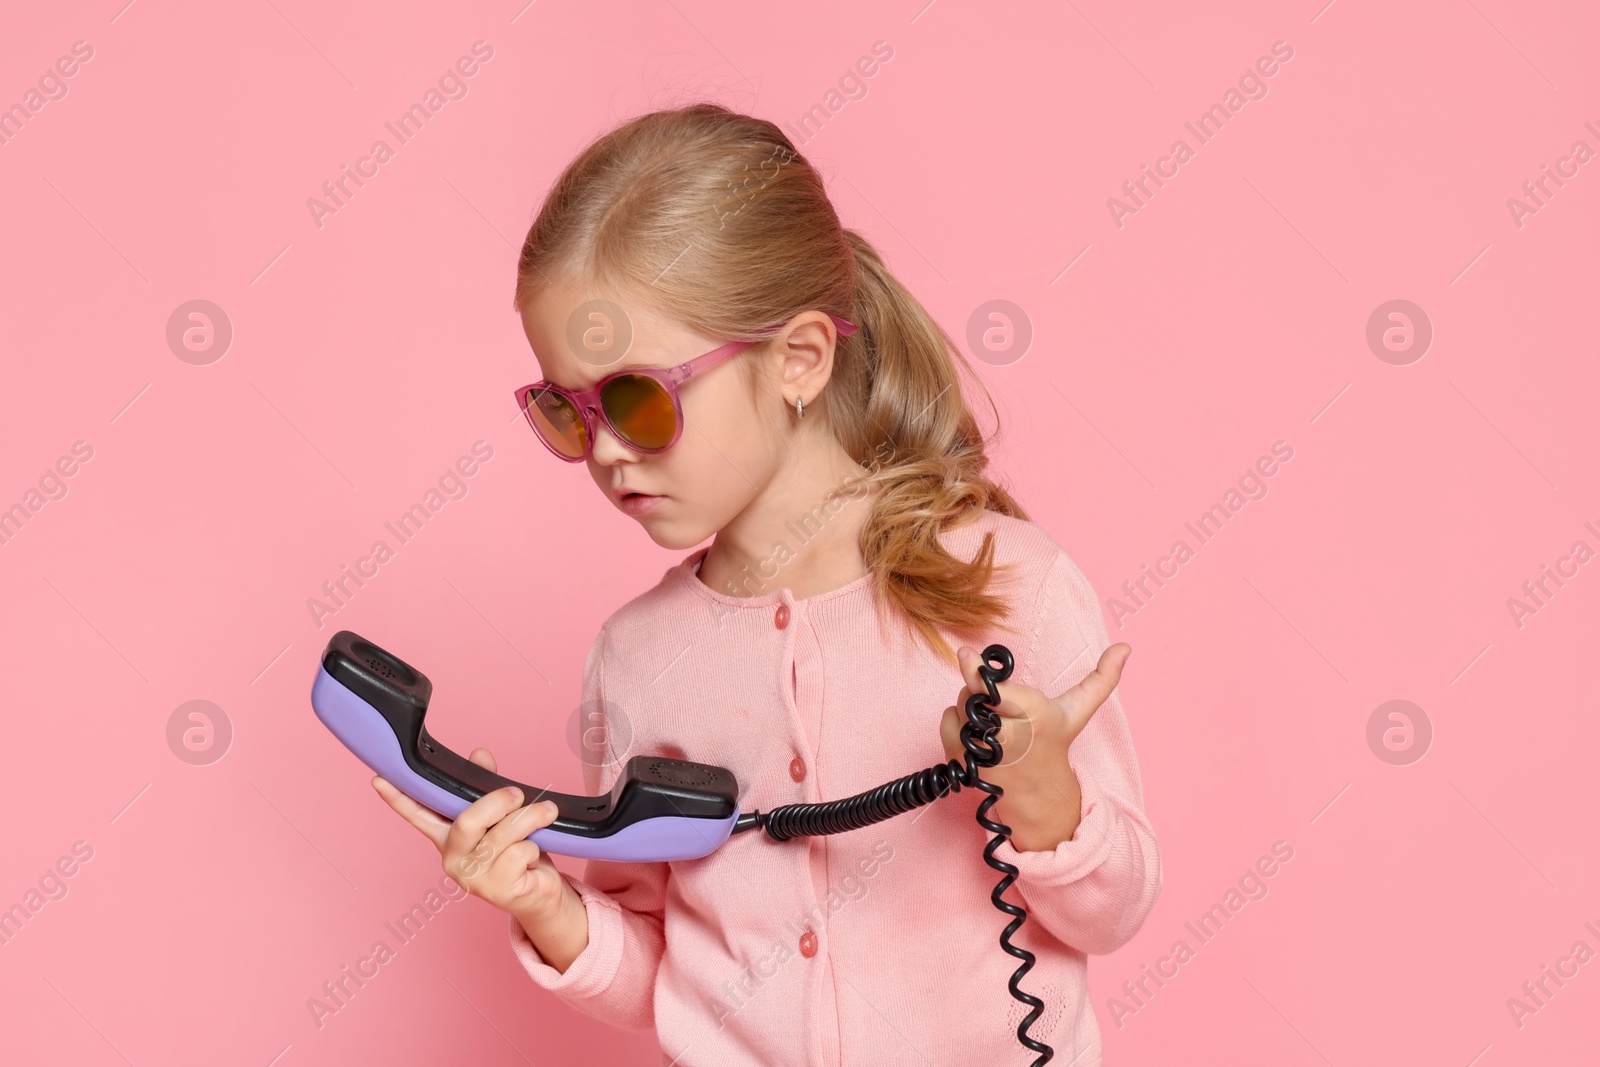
927	461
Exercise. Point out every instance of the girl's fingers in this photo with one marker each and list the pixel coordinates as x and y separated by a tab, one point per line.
1015	737
519	824
1013	695
466	833
460	841
505	849
432	825
1082	700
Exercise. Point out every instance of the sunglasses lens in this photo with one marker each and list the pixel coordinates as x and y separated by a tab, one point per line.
641	410
557	421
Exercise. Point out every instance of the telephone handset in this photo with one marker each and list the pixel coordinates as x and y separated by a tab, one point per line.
658	809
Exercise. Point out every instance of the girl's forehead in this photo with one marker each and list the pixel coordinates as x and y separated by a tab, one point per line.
579	338
589	321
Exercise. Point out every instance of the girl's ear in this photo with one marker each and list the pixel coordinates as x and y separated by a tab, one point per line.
806	348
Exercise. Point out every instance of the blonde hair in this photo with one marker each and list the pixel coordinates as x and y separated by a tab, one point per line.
646	208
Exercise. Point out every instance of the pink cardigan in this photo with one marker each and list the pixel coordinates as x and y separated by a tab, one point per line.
878	946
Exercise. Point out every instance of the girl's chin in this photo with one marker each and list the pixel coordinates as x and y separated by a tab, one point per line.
671	536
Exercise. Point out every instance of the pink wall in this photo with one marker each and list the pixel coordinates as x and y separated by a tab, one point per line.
1171	347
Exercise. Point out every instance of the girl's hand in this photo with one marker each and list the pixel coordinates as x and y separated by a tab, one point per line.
485	849
1042	799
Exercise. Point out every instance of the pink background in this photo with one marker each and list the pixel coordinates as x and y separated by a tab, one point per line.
369	354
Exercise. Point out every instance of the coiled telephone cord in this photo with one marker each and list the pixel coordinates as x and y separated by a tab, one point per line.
979	737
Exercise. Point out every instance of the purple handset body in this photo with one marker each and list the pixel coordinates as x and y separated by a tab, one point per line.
659	809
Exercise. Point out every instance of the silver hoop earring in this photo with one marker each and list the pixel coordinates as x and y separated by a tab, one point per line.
799	408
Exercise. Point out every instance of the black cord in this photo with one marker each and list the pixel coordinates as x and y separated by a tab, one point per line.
979	739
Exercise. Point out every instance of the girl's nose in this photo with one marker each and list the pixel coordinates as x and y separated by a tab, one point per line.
608	448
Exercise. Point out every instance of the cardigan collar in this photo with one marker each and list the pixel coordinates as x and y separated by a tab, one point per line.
686	574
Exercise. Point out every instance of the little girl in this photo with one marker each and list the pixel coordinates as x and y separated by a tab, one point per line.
830	456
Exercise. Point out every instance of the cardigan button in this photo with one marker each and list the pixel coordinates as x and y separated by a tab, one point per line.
808	944
781	619
797	769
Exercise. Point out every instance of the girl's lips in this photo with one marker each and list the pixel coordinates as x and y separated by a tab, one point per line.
639	503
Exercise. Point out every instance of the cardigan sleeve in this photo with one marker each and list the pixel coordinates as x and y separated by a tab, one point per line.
614	977
1094	890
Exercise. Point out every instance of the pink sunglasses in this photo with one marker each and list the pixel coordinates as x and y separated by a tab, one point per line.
640	404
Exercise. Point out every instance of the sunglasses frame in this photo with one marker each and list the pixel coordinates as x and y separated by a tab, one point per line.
587	401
